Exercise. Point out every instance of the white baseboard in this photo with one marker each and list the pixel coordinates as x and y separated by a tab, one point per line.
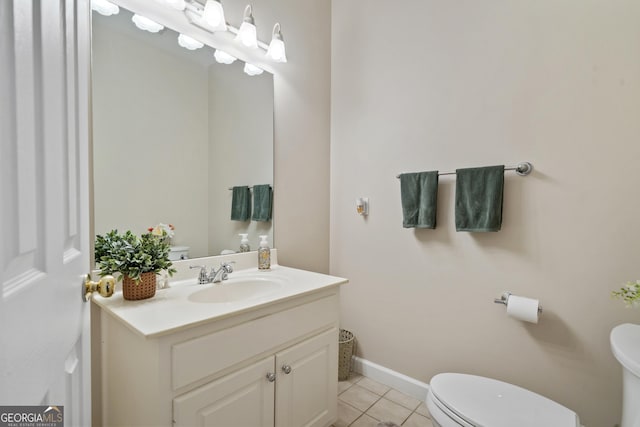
388	377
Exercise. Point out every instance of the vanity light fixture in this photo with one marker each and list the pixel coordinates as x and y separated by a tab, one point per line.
189	43
247	32
176	4
146	24
276	49
213	16
252	70
223	57
105	7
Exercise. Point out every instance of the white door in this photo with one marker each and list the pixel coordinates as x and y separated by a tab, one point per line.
44	205
241	399
307	383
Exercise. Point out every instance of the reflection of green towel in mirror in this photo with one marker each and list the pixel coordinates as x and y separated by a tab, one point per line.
262	199
241	203
479	198
419	193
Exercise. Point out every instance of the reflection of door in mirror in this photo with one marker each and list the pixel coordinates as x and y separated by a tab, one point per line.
172	131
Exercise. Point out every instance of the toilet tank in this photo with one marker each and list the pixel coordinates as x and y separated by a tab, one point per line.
625	346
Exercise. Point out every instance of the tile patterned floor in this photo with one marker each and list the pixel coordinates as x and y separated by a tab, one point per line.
363	402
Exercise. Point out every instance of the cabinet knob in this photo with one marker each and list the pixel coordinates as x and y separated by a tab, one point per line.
271	377
286	369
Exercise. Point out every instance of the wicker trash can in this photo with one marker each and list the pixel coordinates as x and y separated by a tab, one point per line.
347	344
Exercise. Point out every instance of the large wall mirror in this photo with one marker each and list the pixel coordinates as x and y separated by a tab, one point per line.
173	131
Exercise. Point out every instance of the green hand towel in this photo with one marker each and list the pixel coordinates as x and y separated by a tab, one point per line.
479	198
241	203
262	197
419	193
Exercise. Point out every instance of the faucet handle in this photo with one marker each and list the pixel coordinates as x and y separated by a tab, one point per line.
228	268
202	276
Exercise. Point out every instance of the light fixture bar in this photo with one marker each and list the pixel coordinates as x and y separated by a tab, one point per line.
193	12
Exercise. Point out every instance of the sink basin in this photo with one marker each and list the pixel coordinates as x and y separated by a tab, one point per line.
239	289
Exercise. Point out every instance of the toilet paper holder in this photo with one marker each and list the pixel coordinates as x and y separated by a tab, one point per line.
504	299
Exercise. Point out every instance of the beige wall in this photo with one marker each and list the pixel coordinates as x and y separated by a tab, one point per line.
437	84
301	120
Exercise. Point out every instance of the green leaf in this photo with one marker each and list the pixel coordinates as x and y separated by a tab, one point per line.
131	255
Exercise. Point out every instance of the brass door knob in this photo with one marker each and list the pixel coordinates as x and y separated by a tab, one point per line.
104	287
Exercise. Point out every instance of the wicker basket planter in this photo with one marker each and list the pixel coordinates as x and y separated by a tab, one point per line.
144	289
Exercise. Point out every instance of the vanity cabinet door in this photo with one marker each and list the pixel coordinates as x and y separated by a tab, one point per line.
240	399
307	382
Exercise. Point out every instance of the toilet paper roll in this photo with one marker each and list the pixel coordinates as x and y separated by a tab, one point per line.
523	308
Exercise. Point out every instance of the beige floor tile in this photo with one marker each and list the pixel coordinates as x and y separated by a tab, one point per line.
373	386
365	421
359	397
423	410
346	414
417	420
354	377
403	399
386	410
343	385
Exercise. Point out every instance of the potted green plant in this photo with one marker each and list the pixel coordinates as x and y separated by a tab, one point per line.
135	259
629	293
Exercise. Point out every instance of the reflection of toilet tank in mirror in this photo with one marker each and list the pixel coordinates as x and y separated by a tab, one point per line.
173	130
176	253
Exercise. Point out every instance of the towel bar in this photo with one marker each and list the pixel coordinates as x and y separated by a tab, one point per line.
522	169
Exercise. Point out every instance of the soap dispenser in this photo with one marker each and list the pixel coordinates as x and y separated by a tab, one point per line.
264	254
244	243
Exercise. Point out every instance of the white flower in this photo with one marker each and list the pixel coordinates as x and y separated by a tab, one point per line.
163	230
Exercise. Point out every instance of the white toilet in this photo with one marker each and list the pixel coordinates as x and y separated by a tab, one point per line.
176	253
456	400
625	345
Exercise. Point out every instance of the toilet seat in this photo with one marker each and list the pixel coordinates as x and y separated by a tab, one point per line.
472	401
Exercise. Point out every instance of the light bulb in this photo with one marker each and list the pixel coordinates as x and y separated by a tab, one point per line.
189	43
105	7
276	49
213	15
223	57
247	32
252	70
146	24
247	35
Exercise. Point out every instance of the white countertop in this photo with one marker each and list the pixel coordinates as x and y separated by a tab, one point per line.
171	310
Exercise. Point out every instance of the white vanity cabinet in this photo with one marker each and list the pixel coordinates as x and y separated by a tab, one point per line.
273	365
292	388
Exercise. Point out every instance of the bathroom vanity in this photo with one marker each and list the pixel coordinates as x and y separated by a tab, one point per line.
260	349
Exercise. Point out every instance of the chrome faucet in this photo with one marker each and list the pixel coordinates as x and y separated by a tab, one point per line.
222	273
203	278
215	276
